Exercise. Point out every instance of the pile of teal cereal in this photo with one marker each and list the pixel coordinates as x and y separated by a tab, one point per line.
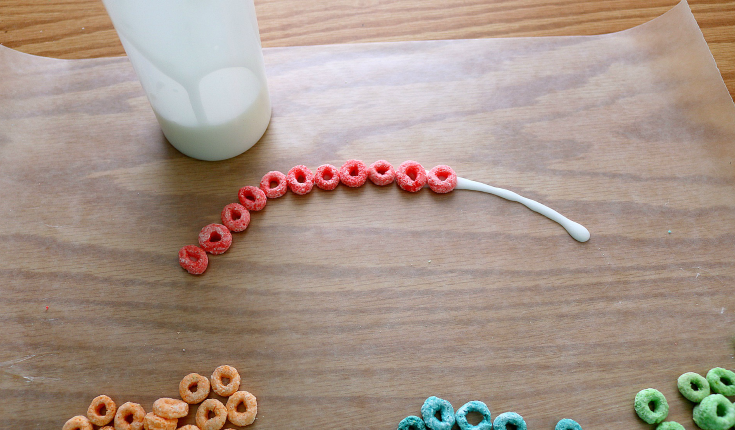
438	414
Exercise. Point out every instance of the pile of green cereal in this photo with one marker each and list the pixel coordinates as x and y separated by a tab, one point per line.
713	409
438	414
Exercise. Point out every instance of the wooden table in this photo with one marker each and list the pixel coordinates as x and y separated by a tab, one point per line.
82	29
348	309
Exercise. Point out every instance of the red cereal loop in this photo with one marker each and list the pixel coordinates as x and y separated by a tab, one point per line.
326	177
102	409
236	217
273	184
78	423
353	173
253	198
381	173
442	179
411	176
193	259
300	179
215	239
129	416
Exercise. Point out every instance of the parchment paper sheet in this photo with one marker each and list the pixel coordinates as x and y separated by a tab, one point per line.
349	308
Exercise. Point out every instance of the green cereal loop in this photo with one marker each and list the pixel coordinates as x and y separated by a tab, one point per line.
431	406
693	386
714	413
670	425
651	406
474	406
567	424
502	421
412	423
721	381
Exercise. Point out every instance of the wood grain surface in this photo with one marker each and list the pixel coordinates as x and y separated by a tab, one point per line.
82	29
348	308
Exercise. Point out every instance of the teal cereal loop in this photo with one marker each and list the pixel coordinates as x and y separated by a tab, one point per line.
505	419
693	386
567	424
412	423
651	406
433	406
721	381
714	413
670	425
474	406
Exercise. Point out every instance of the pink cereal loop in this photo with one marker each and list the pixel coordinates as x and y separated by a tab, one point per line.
411	176
442	179
215	239
381	173
235	217
253	198
326	177
300	179
353	173
274	184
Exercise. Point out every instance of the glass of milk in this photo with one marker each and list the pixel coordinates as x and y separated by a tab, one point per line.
201	65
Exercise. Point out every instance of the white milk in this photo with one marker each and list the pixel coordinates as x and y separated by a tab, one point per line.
201	65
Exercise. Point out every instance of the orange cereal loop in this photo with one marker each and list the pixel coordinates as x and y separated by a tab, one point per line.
225	380
129	416
170	408
187	427
154	422
101	411
194	388
204	418
107	428
251	408
78	423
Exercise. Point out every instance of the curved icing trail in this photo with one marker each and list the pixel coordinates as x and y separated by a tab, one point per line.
576	230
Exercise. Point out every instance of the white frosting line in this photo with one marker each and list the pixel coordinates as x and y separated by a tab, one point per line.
576	230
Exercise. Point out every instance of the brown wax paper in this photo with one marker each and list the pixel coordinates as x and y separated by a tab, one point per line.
355	305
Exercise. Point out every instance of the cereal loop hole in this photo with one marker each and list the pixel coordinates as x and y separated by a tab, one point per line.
474	417
721	410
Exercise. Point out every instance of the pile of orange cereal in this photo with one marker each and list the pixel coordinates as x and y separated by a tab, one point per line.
194	389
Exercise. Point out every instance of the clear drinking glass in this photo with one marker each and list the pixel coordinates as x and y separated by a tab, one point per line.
201	66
